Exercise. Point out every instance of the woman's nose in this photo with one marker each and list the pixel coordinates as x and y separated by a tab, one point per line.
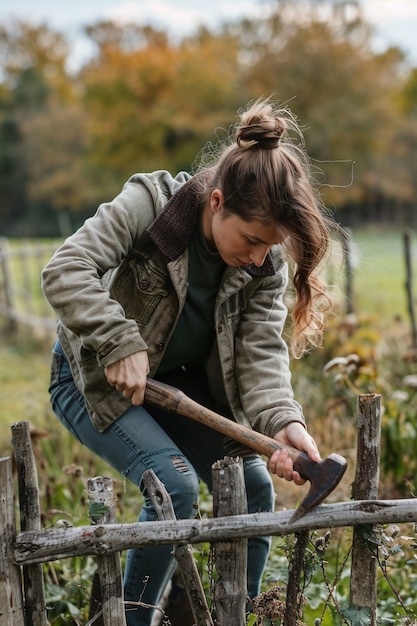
257	256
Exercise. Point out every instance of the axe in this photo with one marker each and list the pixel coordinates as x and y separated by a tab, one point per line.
324	475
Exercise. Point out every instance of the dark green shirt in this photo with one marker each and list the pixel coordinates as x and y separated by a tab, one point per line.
194	333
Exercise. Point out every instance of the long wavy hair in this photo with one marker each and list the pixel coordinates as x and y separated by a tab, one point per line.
265	174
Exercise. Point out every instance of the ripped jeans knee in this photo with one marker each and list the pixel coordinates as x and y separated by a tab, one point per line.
176	474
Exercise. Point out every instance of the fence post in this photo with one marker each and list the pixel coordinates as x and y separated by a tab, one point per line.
30	519
293	601
409	286
347	245
11	597
363	570
102	510
7	284
184	554
230	557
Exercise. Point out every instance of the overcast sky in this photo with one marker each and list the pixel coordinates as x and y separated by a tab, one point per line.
394	20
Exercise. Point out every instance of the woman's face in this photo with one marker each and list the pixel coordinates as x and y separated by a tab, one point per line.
238	242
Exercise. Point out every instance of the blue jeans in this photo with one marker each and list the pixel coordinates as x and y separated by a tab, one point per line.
180	452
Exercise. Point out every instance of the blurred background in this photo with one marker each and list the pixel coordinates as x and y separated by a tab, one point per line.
91	92
94	91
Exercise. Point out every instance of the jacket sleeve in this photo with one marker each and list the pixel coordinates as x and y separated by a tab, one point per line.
72	280
262	359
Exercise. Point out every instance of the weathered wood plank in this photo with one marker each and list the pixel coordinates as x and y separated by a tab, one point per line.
30	519
57	543
184	554
363	567
11	597
230	555
102	507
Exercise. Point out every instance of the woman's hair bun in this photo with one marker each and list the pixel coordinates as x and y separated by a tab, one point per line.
260	127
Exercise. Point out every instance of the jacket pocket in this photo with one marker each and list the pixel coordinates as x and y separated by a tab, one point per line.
140	288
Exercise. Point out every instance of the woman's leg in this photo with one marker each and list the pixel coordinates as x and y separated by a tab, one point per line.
203	446
133	444
261	499
188	445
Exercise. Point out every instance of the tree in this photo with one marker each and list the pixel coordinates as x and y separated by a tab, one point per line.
152	104
58	175
34	81
30	55
342	92
144	102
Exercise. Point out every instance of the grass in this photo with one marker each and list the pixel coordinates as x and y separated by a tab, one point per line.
380	274
24	379
378	292
64	465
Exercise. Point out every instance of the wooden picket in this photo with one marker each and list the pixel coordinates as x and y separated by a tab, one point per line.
22	600
11	594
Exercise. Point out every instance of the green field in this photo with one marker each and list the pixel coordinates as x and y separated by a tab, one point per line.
380	273
378	287
379	297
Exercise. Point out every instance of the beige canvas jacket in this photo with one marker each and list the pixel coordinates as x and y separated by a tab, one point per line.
119	283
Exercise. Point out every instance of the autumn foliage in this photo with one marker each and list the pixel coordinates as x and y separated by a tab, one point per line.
143	101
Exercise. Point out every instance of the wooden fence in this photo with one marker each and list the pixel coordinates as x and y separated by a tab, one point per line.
21	299
22	596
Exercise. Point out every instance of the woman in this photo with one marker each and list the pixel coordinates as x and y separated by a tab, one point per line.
182	279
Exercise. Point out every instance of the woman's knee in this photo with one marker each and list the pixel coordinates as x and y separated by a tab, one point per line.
183	486
176	474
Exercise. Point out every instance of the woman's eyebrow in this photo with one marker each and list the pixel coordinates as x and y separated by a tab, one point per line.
259	240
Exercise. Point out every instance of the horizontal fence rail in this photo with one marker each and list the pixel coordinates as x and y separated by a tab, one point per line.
57	543
25	550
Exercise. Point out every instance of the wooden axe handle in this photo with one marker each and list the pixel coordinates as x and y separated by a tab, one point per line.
176	401
324	475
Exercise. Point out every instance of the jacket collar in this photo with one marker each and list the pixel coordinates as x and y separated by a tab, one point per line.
172	228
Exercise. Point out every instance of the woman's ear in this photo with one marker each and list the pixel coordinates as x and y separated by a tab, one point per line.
216	200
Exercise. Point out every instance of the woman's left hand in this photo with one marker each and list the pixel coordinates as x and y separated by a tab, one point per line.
295	436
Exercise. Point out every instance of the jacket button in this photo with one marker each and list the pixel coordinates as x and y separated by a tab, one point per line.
219	329
145	284
160	346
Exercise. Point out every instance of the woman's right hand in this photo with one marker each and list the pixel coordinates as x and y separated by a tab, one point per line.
296	436
129	376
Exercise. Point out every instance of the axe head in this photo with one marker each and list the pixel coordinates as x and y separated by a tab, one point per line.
324	476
